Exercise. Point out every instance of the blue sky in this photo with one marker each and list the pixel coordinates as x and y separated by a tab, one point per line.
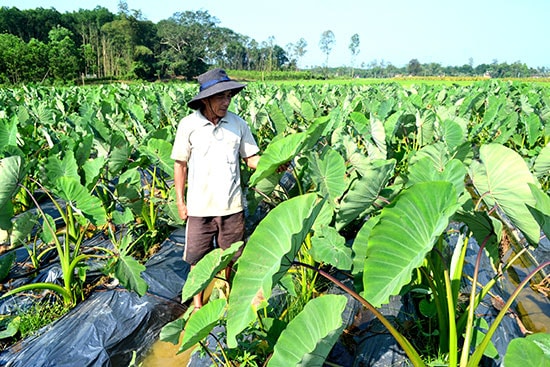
393	31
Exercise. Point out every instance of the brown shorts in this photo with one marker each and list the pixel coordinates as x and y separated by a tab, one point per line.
203	233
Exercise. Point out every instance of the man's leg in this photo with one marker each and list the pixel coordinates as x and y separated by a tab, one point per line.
231	230
197	298
199	237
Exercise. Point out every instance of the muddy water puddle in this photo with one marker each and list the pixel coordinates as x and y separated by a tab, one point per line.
164	354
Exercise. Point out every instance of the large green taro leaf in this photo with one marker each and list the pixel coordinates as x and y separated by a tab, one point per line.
329	247
317	129
310	336
23	226
202	322
532	127
93	168
541	211
541	167
8	133
406	232
6	262
364	191
158	151
10	171
206	269
128	271
129	190
279	119
451	133
70	190
427	169
329	173
117	153
359	247
379	149
502	179
267	256
533	350
373	132
277	153
485	228
67	167
10	168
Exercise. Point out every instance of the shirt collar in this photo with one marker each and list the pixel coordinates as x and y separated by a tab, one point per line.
207	121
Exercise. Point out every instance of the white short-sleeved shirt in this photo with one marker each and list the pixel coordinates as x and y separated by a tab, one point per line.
212	153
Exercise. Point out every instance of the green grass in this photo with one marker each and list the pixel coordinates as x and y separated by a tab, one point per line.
306	78
39	315
404	81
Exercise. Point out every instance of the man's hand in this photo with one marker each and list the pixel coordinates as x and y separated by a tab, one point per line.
182	210
283	167
252	161
180	179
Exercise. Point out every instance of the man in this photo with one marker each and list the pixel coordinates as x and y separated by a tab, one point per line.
207	150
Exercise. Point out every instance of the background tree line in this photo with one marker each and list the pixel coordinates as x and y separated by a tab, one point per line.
44	45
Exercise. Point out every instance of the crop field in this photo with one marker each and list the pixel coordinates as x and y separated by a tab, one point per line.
391	186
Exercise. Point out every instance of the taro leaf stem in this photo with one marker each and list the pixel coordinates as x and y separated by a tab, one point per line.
476	357
403	342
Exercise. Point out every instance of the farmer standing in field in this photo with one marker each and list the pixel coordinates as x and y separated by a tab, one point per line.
207	150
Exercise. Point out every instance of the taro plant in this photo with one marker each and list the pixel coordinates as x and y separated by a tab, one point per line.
496	188
158	168
121	264
74	160
406	175
404	246
79	213
78	210
383	155
533	348
252	288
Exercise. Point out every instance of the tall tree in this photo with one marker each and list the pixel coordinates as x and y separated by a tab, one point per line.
127	46
120	41
234	57
31	23
268	47
289	50
12	21
254	54
326	43
279	57
63	54
414	67
187	42
300	49
433	68
354	48
12	51
87	25
143	65
40	21
36	61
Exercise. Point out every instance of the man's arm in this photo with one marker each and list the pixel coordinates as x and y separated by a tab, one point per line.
252	161
180	179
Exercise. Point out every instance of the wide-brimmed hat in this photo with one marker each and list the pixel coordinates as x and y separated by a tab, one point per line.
213	82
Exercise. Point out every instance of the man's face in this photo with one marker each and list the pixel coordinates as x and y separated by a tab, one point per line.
219	103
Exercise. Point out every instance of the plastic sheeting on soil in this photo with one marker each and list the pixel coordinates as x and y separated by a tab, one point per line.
108	327
376	347
339	355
